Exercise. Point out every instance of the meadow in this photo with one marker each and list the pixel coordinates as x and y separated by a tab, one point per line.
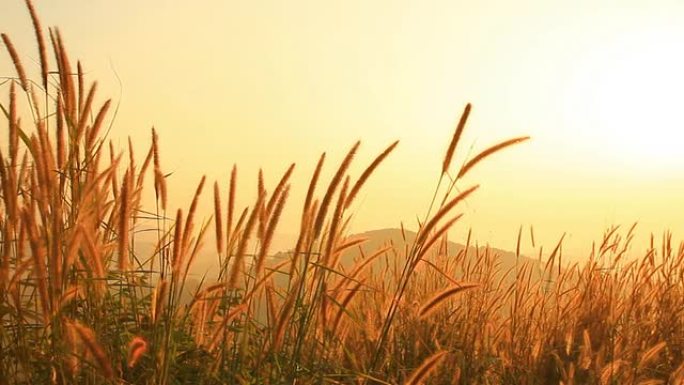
80	305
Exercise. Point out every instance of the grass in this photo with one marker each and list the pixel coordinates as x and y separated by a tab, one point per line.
78	304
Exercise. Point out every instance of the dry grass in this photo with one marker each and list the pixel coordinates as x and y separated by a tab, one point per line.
79	303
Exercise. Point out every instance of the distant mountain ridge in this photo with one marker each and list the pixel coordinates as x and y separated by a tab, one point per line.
206	263
376	239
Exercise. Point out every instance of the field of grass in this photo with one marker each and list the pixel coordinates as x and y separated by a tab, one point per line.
79	305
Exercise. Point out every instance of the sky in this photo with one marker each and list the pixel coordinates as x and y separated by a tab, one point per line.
261	84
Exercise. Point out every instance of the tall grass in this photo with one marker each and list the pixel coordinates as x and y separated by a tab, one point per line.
80	304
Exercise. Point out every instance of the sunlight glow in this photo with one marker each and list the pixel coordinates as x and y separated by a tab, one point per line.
629	97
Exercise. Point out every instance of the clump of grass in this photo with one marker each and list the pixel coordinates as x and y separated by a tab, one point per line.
80	304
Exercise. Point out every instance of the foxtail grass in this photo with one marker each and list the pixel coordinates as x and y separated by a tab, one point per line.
81	303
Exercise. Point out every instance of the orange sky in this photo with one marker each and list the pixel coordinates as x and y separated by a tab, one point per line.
597	84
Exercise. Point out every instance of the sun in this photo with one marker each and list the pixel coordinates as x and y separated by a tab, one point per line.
627	100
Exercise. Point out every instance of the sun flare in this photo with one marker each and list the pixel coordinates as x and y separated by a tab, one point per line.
628	97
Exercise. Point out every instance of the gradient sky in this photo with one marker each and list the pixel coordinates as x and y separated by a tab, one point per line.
597	84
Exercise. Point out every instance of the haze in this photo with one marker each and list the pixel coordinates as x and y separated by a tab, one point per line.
598	86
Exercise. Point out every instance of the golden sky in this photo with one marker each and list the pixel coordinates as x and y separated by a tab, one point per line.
597	84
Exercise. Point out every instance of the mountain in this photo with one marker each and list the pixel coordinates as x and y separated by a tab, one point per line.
206	264
384	237
401	243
